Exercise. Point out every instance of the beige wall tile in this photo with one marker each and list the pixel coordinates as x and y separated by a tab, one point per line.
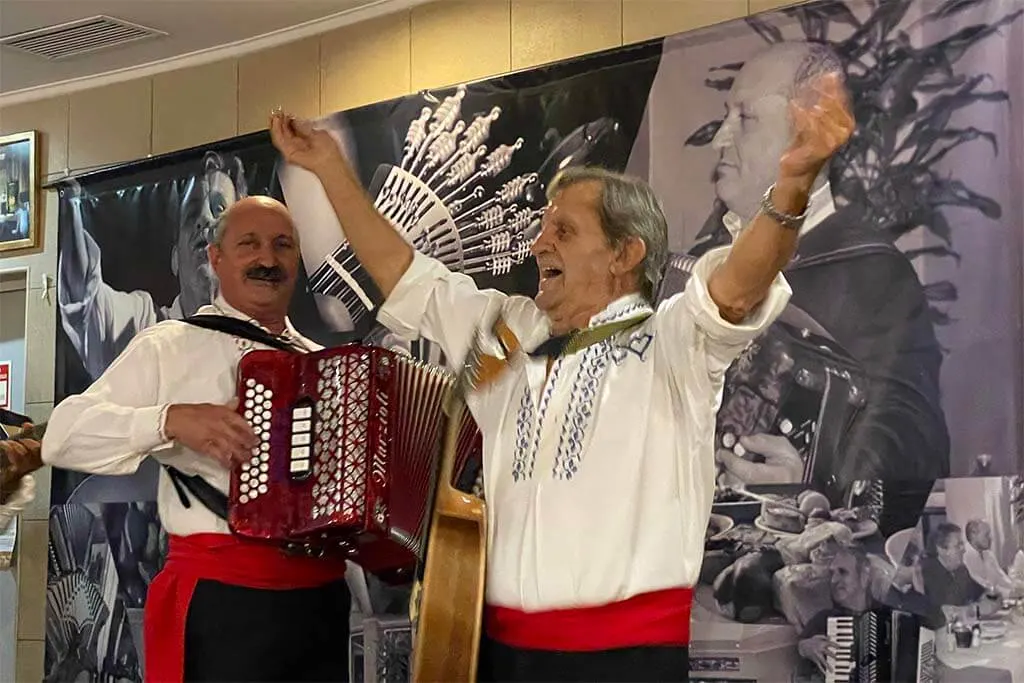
645	19
50	118
287	76
32	563
756	6
550	30
110	124
365	63
8	623
195	106
41	329
455	41
31	661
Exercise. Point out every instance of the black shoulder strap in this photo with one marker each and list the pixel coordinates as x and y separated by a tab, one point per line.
238	328
202	490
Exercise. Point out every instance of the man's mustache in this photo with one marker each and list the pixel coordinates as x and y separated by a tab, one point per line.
266	273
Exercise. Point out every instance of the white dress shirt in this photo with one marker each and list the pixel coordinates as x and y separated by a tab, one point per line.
984	568
598	477
118	421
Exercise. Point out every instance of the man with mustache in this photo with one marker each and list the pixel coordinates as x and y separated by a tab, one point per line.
598	447
222	609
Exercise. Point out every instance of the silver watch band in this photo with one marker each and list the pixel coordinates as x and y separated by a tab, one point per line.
784	219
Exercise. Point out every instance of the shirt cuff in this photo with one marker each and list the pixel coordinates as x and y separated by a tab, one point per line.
707	315
403	311
147	429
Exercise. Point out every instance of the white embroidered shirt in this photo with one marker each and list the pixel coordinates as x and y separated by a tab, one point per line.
599	478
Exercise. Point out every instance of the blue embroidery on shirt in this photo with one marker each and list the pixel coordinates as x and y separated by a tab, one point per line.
612	316
577	418
524	425
526	450
638	344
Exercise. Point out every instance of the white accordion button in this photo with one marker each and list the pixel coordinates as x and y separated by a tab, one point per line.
250	382
300	439
304	413
243	498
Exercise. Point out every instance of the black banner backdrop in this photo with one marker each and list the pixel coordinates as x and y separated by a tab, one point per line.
901	302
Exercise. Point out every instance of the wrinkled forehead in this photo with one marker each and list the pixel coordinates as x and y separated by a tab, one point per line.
266	219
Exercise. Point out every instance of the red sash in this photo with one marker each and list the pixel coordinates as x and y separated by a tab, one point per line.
649	619
223	558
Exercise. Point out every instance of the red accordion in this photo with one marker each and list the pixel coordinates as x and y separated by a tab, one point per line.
349	446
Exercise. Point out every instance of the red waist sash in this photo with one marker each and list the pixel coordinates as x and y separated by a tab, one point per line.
650	619
226	559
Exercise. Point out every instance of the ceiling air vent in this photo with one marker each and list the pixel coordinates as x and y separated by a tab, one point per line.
63	41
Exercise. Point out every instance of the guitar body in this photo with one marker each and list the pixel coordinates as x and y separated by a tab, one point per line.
450	611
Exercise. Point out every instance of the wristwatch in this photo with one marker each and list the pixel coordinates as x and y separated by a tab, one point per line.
784	219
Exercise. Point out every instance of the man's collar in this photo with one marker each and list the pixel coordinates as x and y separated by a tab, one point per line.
221	306
820	206
628	306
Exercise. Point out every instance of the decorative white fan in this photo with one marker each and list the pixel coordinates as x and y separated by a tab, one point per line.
441	198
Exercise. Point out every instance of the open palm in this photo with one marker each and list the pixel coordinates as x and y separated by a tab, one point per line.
819	128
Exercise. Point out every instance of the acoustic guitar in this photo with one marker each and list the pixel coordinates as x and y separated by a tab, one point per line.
447	605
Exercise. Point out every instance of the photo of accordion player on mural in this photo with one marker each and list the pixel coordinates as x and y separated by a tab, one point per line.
893	366
844	387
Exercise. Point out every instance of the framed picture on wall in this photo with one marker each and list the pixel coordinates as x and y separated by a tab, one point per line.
19	222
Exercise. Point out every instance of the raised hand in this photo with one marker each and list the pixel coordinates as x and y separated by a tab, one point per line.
302	144
216	431
822	123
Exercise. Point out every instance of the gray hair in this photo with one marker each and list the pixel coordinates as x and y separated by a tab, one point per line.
628	208
974	527
818	60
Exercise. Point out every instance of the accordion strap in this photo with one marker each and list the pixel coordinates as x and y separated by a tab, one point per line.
239	328
207	494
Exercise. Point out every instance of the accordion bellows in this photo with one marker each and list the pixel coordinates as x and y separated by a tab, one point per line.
349	448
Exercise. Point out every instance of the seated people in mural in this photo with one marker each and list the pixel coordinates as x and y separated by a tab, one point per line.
850	587
598	462
858	318
99	320
221	608
19	457
947	582
983	565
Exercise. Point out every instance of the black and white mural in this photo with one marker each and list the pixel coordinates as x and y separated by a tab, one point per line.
868	444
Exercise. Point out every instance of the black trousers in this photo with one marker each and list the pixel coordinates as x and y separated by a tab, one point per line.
500	663
245	634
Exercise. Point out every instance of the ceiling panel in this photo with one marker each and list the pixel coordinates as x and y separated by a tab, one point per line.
191	25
